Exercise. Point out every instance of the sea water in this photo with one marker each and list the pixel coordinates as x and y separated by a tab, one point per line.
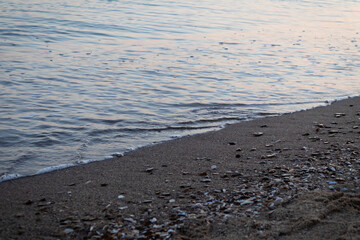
83	79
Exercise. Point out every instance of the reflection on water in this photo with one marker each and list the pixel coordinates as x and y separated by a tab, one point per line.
83	79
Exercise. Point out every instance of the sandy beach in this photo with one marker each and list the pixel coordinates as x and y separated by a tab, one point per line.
294	176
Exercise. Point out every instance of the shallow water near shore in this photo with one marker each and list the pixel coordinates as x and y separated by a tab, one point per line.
81	80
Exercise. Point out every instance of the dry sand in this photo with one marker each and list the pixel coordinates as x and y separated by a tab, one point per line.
290	177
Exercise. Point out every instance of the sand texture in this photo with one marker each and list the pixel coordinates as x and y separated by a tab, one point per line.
290	177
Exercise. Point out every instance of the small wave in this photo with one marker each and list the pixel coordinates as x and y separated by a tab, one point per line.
29	116
223	119
227	105
54	168
228	43
138	130
267	114
7	177
97	120
46	142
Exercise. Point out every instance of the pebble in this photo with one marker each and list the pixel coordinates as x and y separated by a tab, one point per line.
258	134
29	202
68	230
131	220
121	196
332	182
338	115
205	180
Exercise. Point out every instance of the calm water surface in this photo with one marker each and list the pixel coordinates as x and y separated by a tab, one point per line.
81	80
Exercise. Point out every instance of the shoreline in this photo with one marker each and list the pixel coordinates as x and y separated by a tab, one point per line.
235	182
12	176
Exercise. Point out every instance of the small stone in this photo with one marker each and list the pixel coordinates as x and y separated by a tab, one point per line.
20	215
337	115
258	134
149	170
68	230
121	197
316	154
118	155
247	201
183	214
205	180
235	174
29	202
130	220
239	150
203	174
213	167
332	182
227	210
147	201
171	200
278	200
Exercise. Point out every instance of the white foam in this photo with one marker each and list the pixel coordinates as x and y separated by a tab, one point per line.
175	136
7	177
54	168
86	161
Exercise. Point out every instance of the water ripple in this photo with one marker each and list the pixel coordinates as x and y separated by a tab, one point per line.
83	79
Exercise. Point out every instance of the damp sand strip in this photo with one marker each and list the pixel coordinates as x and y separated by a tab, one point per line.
290	177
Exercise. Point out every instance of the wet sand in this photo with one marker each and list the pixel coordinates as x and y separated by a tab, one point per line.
290	177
